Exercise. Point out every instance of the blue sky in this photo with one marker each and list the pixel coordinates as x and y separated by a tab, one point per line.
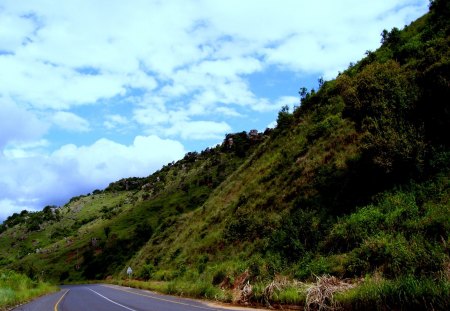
94	91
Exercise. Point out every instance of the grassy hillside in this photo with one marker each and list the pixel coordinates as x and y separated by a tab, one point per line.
354	183
94	235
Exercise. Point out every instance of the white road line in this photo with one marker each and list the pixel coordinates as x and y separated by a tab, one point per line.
116	303
159	298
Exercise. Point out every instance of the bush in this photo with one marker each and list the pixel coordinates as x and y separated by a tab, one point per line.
300	232
349	233
284	119
395	255
146	271
308	267
244	226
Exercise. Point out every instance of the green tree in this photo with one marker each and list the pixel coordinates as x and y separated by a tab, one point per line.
284	119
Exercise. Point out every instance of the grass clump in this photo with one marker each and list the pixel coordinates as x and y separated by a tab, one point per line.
17	288
284	291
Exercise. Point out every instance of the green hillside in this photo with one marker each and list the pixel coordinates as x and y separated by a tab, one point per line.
354	184
94	235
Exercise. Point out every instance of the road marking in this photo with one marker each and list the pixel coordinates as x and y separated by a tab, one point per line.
116	303
157	298
60	299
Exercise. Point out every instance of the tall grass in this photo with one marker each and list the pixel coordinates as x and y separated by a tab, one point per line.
403	293
199	289
16	288
372	293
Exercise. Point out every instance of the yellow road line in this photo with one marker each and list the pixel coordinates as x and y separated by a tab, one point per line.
60	299
157	298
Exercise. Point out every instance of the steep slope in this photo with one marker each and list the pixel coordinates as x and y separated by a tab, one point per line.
94	235
353	182
378	125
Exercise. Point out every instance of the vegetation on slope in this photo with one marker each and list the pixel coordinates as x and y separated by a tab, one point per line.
354	183
94	235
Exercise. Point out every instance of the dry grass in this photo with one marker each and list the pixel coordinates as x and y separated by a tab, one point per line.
279	284
242	289
319	296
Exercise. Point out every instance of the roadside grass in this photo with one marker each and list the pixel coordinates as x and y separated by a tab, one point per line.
199	289
157	286
16	288
404	293
278	293
289	296
372	293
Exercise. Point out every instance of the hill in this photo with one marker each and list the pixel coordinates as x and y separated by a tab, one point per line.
354	183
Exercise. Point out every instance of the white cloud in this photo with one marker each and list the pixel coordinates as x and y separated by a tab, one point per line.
229	68
26	150
44	85
131	45
272	124
225	111
13	32
115	120
70	122
105	160
201	130
265	105
18	124
37	180
152	114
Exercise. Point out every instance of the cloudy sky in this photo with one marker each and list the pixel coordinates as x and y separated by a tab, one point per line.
93	91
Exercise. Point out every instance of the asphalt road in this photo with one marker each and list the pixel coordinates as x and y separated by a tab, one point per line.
100	297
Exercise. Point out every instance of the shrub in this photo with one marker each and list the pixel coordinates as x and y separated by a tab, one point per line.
311	266
146	271
352	230
395	255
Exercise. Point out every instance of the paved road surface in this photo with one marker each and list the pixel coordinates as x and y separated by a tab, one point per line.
100	297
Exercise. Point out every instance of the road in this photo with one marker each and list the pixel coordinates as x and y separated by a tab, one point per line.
102	297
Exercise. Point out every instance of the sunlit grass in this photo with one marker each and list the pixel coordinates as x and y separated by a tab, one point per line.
404	293
372	293
16	289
